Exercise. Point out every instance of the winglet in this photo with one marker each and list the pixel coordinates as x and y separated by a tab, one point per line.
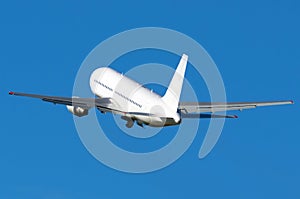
292	102
11	93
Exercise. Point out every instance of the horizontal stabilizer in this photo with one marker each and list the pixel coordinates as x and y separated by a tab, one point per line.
204	115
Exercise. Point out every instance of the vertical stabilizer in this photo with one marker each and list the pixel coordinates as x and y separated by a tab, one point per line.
171	98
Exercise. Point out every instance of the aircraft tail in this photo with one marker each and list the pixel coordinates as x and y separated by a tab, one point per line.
171	97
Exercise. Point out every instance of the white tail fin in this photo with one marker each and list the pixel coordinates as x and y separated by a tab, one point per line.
171	98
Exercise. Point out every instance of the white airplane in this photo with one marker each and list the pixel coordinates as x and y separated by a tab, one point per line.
118	94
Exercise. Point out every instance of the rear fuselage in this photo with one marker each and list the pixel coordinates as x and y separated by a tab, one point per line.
129	96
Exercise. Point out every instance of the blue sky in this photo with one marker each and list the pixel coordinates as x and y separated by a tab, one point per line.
255	45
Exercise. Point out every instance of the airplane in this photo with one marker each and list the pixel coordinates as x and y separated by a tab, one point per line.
118	94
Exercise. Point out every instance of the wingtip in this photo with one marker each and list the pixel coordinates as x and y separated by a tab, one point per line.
11	93
292	102
235	116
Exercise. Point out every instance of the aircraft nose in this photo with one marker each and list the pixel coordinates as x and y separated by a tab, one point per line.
96	76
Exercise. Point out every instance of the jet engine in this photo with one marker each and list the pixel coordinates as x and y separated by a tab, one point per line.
78	111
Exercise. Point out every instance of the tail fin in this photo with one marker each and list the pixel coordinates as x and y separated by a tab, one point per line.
171	97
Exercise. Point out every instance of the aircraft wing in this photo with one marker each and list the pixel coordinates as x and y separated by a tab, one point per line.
71	101
103	104
189	108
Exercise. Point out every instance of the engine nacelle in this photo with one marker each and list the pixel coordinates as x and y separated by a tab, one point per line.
78	111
